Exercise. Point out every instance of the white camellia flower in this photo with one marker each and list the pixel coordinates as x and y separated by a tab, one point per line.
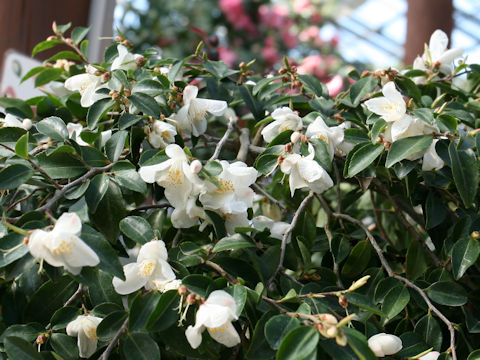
151	270
125	59
438	53
74	131
62	246
12	121
234	195
216	315
432	355
192	117
332	136
431	160
408	126
175	175
188	214
285	119
277	228
391	106
384	344
84	327
305	172
162	134
87	84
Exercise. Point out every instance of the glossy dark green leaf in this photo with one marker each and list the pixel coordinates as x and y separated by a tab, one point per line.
266	164
465	173
20	349
21	147
219	69
127	176
321	153
464	254
79	33
234	242
197	283
254	105
377	128
313	85
406	147
298	344
358	342
67	54
146	104
97	110
416	260
429	328
218	224
239	294
65	346
84	48
139	346
158	314
14	175
126	120
53	127
141	309
395	301
474	355
137	228
109	326
63	316
61	164
277	328
447	293
10	249
115	145
48	75
213	167
358	259
45	45
148	87
96	191
363	157
361	88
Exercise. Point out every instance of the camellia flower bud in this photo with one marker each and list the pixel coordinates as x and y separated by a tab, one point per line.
342	301
191	299
359	283
195	166
106	76
384	344
182	290
27	124
127	92
295	137
69	41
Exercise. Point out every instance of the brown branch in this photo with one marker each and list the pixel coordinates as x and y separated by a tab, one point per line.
407	282
287	233
114	341
259	189
223	140
22	199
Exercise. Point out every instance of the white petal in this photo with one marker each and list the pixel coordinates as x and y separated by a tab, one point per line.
438	44
86	345
289	163
433	355
150	173
12	121
183	120
78	254
225	335
181	219
214	107
68	223
378	105
448	56
431	160
189	93
153	250
212	316
222	298
75	326
194	336
87	99
385	344
174	151
391	93
236	220
261	222
133	280
270	131
76	82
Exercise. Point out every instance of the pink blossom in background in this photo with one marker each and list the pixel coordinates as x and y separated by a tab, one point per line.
274	17
314	65
334	86
334	40
289	39
226	55
316	18
269	52
310	33
235	14
300	6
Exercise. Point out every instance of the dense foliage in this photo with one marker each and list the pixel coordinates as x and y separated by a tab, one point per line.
183	209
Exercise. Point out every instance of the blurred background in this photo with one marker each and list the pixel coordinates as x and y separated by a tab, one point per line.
323	37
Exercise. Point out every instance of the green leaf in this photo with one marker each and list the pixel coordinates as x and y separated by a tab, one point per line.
464	254
465	173
79	33
127	176
96	190
140	346
474	355
126	120
234	242
17	104
218	224
32	72
84	48
277	327
67	54
435	211
146	104
109	326
377	128
239	294
21	147
10	249
298	344
395	301
114	146
403	148
361	88
417	262
262	83
313	85
214	168
14	175
358	342
97	110
219	69
363	157
321	153
355	136
45	45
148	87
266	163
109	261
363	302
26	332
20	349
255	106
63	316
158	314
141	309
198	284
48	75
447	293
53	127
61	164
65	346
358	259
137	228
430	330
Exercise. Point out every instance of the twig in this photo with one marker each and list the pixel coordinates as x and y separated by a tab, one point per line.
407	282
36	167
244	144
151	206
268	196
89	174
114	341
287	233
22	199
72	298
231	123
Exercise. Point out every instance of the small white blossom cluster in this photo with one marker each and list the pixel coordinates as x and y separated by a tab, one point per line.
231	198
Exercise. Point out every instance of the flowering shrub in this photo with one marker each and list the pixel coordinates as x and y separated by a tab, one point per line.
184	209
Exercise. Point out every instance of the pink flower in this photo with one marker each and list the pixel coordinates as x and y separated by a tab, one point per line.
314	65
334	40
310	33
334	86
289	39
274	17
300	6
227	56
316	18
235	14
270	55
